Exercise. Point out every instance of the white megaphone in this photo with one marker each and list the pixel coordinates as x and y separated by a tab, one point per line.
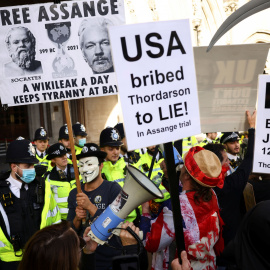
136	190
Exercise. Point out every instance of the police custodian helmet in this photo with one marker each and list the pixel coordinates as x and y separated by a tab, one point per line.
21	151
56	150
41	134
79	130
110	137
63	133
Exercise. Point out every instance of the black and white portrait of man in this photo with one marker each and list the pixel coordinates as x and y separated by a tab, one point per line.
21	45
95	44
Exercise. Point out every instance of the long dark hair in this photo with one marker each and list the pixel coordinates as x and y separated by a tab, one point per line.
201	193
53	247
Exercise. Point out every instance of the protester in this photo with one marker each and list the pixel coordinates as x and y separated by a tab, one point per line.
199	207
26	203
97	194
230	197
185	262
59	247
249	249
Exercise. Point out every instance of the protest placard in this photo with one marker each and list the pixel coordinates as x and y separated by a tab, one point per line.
261	160
227	79
54	52
157	83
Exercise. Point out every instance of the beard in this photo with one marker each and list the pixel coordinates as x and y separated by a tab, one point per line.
103	64
23	58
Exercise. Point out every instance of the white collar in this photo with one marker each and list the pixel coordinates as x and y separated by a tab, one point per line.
234	157
39	153
65	170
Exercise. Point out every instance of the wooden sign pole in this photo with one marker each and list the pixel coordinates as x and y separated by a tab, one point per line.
70	133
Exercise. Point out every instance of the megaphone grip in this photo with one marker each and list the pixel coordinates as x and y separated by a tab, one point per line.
102	226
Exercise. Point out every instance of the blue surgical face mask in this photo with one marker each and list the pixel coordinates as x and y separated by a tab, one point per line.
28	175
82	142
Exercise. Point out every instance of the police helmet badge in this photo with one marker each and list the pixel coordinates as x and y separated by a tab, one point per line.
84	150
83	128
43	133
31	150
93	148
98	199
66	130
114	135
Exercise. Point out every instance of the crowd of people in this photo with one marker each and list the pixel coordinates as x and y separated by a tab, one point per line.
45	220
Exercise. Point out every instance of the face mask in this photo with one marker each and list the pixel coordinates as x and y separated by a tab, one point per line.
28	175
82	142
89	168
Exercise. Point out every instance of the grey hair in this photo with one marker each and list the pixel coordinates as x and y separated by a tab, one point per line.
92	22
28	33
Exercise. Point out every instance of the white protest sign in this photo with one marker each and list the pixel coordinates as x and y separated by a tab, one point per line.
157	83
52	52
261	160
227	79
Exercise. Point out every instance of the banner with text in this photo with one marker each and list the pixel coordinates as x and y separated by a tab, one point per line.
261	161
157	82
52	52
227	79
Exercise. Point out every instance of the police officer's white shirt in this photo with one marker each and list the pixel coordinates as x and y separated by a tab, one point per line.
234	157
41	153
65	170
15	187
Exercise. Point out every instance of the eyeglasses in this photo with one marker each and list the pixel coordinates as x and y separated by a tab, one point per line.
82	243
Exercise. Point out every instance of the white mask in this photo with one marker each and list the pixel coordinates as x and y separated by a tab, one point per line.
89	168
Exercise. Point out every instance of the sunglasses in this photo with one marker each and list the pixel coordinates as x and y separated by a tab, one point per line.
82	243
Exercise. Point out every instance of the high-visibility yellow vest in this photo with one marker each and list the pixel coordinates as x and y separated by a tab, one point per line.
115	173
60	191
187	143
78	149
144	164
44	162
50	215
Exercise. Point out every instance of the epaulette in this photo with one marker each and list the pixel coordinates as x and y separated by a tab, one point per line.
104	176
134	157
145	167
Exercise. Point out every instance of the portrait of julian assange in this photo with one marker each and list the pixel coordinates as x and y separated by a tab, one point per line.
21	46
95	44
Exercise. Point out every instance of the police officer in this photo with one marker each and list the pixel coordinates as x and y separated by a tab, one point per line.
144	165
79	137
41	142
114	167
185	144
61	177
132	156
64	137
231	142
27	204
210	138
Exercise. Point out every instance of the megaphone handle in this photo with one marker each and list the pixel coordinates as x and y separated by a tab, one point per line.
117	231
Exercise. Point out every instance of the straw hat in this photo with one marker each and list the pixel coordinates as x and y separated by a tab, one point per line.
204	167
